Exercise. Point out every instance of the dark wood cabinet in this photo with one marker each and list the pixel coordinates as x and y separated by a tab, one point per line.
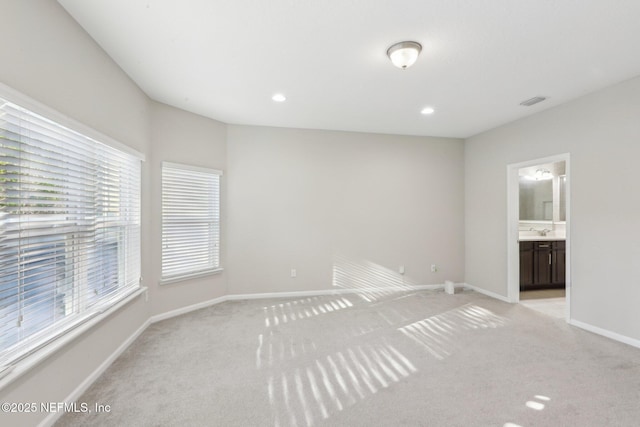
542	259
526	264
558	272
542	264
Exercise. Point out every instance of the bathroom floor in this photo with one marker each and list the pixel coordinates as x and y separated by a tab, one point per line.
542	294
551	302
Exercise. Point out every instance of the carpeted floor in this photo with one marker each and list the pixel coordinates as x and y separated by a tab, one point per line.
389	359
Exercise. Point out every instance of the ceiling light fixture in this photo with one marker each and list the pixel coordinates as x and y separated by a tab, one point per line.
404	54
278	97
427	110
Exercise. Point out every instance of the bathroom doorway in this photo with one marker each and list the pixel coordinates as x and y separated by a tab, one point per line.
538	249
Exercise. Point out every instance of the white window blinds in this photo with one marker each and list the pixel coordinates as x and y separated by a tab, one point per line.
69	229
190	221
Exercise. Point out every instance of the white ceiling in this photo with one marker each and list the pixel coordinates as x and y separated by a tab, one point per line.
225	58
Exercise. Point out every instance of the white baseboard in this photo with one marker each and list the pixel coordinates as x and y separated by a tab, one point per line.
427	287
84	385
187	309
294	294
328	292
605	333
487	293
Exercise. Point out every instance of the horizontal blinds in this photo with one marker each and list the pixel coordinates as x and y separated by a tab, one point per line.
190	220
69	228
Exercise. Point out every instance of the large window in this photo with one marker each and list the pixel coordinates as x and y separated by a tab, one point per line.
69	229
190	221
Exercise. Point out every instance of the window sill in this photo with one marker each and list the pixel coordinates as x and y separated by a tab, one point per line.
12	372
184	277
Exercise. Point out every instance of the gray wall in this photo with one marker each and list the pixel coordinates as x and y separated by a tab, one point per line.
332	204
48	57
60	66
181	137
601	133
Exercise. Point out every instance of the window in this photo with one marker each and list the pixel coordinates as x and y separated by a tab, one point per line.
69	229
190	221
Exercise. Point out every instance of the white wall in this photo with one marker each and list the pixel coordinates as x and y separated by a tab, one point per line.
363	204
48	57
601	132
181	137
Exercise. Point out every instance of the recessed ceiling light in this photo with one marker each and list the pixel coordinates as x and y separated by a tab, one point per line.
427	110
278	97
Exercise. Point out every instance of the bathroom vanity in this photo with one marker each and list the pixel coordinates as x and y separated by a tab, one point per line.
542	264
542	226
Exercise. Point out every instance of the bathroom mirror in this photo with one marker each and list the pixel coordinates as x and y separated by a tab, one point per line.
563	198
536	199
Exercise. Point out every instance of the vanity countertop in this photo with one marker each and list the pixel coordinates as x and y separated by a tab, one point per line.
541	238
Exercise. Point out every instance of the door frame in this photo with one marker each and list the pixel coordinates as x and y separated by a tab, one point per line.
513	218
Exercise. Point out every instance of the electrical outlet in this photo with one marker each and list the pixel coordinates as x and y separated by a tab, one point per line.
434	268
401	269
294	273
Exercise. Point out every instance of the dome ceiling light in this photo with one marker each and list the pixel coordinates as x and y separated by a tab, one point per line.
404	54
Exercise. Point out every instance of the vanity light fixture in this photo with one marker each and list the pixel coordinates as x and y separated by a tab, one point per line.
542	174
404	54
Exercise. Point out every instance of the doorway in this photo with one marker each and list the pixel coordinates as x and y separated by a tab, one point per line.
539	233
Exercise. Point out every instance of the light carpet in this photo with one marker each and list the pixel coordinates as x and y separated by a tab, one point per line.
373	359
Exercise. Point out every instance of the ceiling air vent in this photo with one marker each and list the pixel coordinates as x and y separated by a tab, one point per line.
532	101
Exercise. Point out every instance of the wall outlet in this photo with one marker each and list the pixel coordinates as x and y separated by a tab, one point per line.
434	268
294	273
401	269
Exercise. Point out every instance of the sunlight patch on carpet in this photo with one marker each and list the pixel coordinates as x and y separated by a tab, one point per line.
436	334
330	384
369	280
304	308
